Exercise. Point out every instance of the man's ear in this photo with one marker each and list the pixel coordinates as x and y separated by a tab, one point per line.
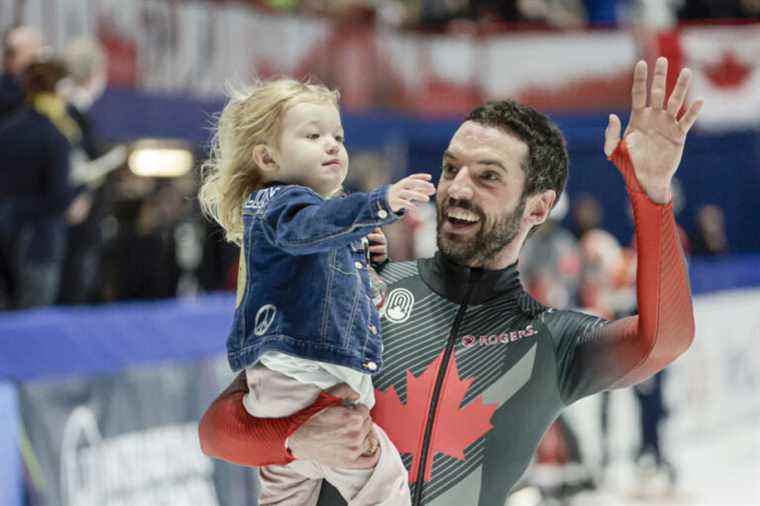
540	206
264	158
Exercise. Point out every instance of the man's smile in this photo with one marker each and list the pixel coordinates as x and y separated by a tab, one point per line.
460	221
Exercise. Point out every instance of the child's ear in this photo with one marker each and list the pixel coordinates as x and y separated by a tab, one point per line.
264	158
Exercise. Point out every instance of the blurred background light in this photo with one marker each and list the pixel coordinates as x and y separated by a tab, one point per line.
160	158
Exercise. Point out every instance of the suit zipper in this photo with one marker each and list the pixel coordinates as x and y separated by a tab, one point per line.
420	483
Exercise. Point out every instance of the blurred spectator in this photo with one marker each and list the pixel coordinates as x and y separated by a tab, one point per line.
438	14
652	413
710	233
607	286
587	215
603	12
86	63
140	259
719	9
550	263
655	14
554	13
21	46
36	197
550	268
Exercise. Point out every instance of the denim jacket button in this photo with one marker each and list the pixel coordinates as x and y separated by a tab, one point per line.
382	214
372	328
370	365
358	264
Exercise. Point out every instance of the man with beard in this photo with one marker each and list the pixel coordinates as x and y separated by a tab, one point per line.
475	369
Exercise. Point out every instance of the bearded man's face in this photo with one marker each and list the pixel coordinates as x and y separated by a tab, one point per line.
480	199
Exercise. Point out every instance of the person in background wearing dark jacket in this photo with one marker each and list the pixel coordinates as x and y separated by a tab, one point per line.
86	67
36	195
21	46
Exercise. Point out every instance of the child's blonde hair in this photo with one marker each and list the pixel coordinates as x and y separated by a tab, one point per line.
252	116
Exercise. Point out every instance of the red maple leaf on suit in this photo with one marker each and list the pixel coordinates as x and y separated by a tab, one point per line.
455	427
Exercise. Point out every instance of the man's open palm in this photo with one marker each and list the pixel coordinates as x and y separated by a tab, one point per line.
655	134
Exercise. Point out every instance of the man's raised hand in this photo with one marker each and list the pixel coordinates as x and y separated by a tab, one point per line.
655	134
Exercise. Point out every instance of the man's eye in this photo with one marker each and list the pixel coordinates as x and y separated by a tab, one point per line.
490	176
449	170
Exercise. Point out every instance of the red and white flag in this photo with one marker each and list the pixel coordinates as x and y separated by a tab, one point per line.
726	65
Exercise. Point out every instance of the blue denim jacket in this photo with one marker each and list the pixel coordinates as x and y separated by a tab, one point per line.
307	288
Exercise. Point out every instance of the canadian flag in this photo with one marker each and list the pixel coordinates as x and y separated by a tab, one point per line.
726	65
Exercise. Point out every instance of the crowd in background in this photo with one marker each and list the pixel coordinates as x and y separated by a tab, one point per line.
516	14
78	227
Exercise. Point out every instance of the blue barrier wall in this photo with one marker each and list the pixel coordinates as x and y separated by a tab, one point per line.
10	458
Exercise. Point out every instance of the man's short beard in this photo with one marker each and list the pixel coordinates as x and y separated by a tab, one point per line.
487	242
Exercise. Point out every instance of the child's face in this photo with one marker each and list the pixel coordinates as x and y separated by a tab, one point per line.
311	150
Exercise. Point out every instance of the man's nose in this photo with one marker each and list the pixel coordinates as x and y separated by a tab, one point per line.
461	186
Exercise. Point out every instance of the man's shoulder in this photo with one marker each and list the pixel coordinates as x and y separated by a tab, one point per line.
569	323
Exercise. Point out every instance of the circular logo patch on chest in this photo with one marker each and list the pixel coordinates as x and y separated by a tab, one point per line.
398	307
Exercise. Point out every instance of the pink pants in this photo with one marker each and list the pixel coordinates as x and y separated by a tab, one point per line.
273	395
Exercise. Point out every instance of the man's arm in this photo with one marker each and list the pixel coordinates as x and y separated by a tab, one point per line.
627	351
328	431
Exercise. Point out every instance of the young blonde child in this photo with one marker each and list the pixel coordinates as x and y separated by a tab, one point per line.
305	318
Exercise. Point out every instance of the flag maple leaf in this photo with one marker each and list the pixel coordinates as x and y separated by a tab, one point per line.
455	427
729	72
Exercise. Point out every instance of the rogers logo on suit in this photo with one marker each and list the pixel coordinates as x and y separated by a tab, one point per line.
469	340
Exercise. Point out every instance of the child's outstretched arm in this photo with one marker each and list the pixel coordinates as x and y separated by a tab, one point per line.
300	222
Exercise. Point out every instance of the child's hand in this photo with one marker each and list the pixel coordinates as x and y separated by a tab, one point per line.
410	190
378	246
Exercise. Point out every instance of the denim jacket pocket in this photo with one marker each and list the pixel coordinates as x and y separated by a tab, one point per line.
343	263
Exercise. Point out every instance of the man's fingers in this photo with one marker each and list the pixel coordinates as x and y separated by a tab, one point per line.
377	249
612	135
677	98
639	89
343	391
691	116
658	83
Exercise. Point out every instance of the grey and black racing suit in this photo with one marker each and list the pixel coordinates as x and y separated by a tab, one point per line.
476	370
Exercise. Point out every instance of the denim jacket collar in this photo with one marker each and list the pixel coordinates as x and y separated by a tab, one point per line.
453	281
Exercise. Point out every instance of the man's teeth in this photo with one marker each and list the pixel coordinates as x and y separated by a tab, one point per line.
463	215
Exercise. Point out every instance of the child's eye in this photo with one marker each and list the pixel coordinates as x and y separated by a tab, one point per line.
340	138
313	137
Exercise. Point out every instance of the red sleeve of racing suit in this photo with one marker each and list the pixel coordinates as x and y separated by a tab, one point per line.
228	432
594	355
664	327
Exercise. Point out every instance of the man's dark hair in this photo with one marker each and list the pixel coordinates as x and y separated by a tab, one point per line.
546	165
